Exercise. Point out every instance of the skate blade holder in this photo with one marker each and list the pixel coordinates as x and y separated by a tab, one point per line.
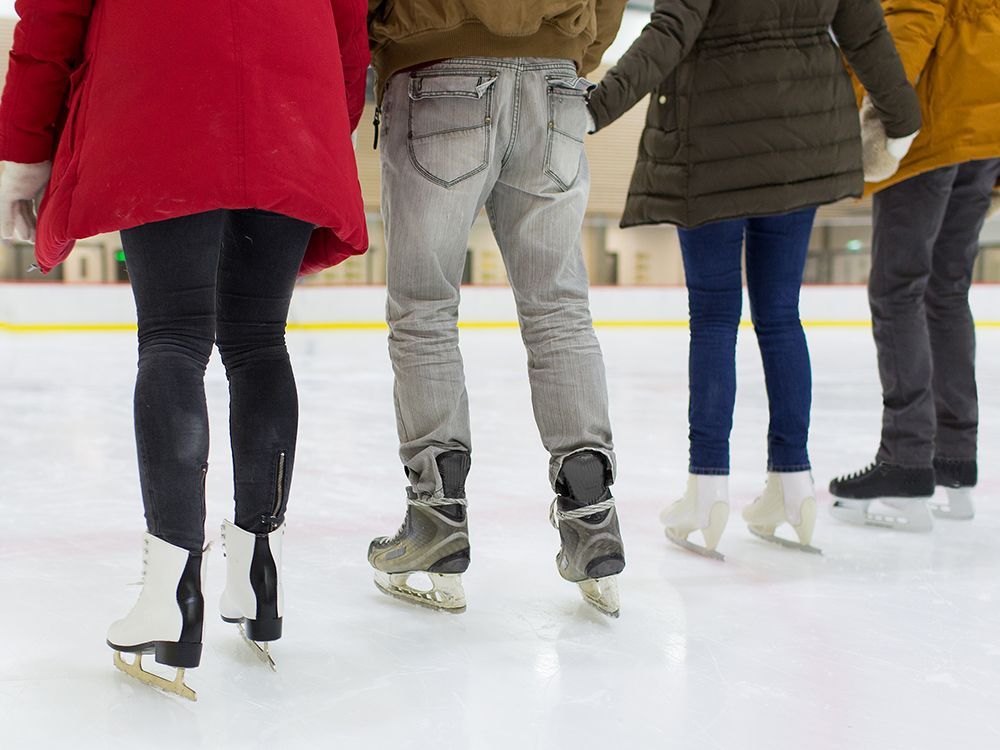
443	591
957	507
786	543
883	517
692	547
261	650
602	594
135	671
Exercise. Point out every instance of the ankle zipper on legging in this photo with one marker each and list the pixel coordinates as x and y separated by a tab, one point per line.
271	521
204	490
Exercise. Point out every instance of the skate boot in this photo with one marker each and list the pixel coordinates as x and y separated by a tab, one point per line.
886	496
167	620
253	598
433	541
591	554
788	498
958	477
705	508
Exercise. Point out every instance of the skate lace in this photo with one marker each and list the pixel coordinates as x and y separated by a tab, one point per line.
427	502
145	564
858	474
436	502
557	514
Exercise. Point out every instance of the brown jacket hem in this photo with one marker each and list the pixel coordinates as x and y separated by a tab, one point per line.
472	39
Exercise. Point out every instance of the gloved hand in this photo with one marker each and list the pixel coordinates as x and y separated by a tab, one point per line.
20	186
881	155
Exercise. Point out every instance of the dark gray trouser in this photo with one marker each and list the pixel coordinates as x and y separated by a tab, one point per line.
926	238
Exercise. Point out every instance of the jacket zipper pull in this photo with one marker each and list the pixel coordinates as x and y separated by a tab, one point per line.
377	122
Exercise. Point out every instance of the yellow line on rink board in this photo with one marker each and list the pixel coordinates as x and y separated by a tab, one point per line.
374	325
67	327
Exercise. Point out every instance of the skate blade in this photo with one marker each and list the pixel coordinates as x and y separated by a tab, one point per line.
858	512
174	687
787	543
262	651
602	595
692	547
946	512
445	595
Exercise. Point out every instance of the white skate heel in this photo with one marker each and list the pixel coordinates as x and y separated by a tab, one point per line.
704	508
899	513
957	506
254	597
167	620
788	498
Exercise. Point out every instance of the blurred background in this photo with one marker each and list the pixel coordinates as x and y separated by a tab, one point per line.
839	250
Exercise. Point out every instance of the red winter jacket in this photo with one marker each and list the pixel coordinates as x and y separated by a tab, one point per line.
151	111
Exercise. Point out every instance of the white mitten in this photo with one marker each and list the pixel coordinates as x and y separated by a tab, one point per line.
881	155
20	186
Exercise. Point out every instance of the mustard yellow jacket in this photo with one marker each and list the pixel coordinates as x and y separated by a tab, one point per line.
951	52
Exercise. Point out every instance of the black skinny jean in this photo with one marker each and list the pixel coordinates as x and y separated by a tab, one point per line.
226	278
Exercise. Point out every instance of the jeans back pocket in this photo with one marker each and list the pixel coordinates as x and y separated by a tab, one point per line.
567	127
449	128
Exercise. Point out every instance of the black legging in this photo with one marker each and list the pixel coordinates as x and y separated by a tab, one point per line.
221	277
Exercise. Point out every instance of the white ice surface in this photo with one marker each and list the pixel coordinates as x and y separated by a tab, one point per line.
887	641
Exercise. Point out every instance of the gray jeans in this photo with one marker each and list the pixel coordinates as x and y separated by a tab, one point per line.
506	134
924	248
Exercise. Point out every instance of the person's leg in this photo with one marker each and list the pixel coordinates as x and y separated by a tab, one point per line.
440	129
776	256
712	268
893	491
172	266
907	220
949	318
261	256
537	209
438	141
712	258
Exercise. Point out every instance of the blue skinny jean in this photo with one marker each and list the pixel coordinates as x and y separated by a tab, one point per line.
776	248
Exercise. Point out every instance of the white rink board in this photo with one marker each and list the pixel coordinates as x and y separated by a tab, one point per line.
72	305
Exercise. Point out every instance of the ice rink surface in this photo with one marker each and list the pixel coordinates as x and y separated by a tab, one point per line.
887	641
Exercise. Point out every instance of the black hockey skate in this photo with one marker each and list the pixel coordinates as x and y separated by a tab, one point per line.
886	496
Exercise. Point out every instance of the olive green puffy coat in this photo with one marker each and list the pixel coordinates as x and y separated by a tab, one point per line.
753	112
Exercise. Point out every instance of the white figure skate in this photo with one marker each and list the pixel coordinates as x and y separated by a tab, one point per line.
704	508
254	597
788	498
167	620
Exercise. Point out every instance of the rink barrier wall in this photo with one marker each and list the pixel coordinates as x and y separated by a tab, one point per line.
36	308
